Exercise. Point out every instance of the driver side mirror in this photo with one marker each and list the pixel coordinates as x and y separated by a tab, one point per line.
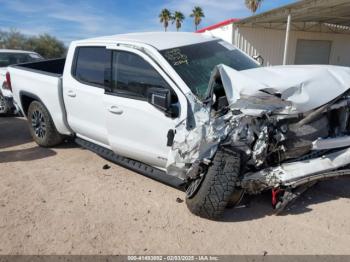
161	99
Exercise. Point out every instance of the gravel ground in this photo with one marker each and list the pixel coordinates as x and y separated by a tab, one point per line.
62	201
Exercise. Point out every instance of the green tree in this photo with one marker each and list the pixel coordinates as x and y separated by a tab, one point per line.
165	17
46	45
2	39
178	19
197	14
253	5
13	39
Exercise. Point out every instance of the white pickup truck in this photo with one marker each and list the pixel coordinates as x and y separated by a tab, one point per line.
195	112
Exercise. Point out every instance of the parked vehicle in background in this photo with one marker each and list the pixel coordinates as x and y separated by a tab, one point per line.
11	57
193	111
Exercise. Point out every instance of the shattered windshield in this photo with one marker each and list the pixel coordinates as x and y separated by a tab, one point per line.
194	63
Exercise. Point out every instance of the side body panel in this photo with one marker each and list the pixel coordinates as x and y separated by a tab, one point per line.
84	104
43	87
137	129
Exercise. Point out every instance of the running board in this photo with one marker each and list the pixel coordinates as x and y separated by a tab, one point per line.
141	168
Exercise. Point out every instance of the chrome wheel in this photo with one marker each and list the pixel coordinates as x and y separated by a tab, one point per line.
38	124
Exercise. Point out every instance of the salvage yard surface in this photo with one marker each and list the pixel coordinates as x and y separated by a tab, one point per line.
67	200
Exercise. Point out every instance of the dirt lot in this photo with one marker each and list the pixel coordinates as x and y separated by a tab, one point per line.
61	201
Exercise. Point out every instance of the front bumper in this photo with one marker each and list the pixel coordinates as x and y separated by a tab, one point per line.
297	173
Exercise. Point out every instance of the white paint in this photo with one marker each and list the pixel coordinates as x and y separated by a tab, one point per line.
286	41
46	87
16	51
159	40
224	32
137	130
306	87
92	114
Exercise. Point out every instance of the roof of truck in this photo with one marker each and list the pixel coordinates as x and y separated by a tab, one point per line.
15	51
159	40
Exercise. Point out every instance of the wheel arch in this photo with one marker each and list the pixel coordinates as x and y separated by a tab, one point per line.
26	99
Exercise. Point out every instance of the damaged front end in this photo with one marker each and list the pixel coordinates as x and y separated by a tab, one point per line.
287	136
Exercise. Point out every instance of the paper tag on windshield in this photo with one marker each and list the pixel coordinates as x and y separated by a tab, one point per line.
176	57
227	45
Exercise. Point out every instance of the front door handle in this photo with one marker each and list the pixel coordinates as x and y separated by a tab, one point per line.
115	110
71	93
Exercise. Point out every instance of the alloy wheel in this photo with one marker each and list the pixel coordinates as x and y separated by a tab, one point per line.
38	124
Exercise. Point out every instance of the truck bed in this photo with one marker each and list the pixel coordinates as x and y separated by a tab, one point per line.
41	81
52	67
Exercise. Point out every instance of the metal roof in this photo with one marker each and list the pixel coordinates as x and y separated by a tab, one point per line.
217	25
332	13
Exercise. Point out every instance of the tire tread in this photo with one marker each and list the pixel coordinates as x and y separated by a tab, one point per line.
52	137
217	187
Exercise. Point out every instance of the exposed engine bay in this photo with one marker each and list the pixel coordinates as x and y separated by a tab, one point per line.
289	136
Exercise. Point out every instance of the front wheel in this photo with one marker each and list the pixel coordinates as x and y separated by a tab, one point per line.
217	186
41	126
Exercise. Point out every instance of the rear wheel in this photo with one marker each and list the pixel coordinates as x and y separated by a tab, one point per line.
208	196
41	126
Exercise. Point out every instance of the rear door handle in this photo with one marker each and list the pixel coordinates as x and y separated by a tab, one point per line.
71	93
115	110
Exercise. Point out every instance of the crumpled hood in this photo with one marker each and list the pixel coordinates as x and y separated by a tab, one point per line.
302	87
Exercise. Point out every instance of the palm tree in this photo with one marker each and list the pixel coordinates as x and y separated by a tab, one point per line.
197	14
253	5
178	19
165	17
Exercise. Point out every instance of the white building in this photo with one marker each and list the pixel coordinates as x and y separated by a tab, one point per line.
306	32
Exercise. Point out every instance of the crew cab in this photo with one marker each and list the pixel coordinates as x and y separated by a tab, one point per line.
11	57
194	112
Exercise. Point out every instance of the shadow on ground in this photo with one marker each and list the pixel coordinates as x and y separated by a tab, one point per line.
259	206
13	131
27	154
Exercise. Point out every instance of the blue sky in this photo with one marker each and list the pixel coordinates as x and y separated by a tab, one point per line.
78	19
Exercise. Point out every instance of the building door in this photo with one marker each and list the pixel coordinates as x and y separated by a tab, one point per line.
312	52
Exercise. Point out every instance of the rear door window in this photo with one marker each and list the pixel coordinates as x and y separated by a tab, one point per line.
93	66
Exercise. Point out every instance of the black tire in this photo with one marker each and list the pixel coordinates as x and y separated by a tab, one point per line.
217	187
41	126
